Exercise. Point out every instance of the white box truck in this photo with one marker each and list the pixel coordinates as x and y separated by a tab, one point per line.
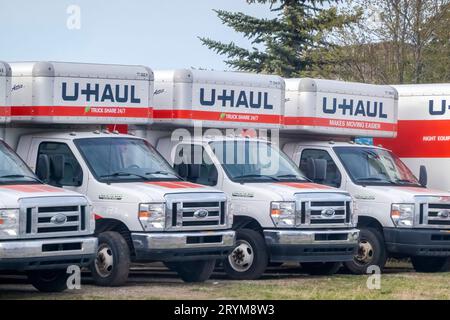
43	229
144	211
279	216
396	212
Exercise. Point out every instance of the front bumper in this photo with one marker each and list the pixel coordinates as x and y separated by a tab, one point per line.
418	242
180	246
19	255
312	245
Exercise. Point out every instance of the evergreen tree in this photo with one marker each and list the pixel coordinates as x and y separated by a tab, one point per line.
296	42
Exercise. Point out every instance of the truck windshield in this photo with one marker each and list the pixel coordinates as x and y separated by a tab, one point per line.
124	160
255	161
372	166
12	169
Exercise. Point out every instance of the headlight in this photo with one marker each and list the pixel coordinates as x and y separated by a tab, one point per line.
283	213
9	224
354	208
230	214
402	214
152	216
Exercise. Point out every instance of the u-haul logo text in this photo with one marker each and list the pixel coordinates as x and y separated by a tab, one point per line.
235	99
352	107
438	109
96	92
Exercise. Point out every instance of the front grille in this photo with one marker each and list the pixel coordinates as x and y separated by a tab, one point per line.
327	213
48	217
196	211
434	215
186	214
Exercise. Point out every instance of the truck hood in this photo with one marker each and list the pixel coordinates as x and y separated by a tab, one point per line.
11	194
136	192
397	194
281	191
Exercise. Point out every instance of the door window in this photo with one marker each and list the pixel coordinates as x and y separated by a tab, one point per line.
333	176
60	165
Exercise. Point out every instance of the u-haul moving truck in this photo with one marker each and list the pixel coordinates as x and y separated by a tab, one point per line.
43	230
397	215
218	99
144	211
278	215
424	131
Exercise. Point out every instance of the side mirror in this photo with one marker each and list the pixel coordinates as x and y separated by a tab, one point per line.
57	168
423	176
182	170
213	176
43	168
316	169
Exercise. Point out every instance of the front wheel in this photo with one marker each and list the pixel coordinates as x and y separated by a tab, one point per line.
112	264
49	280
249	259
193	271
431	264
321	268
371	252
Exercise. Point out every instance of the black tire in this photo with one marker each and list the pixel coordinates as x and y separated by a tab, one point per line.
253	244
371	252
193	271
321	268
431	264
49	280
112	264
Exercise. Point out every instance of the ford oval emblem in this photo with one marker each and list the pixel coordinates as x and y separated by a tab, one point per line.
444	214
201	213
59	219
328	212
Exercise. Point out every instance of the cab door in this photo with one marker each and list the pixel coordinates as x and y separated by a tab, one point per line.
194	164
335	175
58	163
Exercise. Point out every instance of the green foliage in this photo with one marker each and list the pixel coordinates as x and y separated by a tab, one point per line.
297	42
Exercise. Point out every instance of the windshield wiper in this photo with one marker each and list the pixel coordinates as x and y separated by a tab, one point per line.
165	173
256	176
368	179
291	176
405	181
124	174
12	176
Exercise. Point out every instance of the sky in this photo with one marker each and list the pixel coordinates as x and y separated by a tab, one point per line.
156	33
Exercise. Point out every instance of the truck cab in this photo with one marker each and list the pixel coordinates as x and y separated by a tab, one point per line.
43	229
279	215
398	216
145	212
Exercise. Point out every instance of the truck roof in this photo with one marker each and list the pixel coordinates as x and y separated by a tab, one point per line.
71	135
211	138
80	70
220	78
340	87
332	143
430	89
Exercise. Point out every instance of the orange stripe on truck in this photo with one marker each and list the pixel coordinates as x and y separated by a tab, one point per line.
307	185
31	188
340	123
217	116
82	111
175	184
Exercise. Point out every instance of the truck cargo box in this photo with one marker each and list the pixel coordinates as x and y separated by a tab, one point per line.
315	106
5	92
218	99
424	130
80	93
